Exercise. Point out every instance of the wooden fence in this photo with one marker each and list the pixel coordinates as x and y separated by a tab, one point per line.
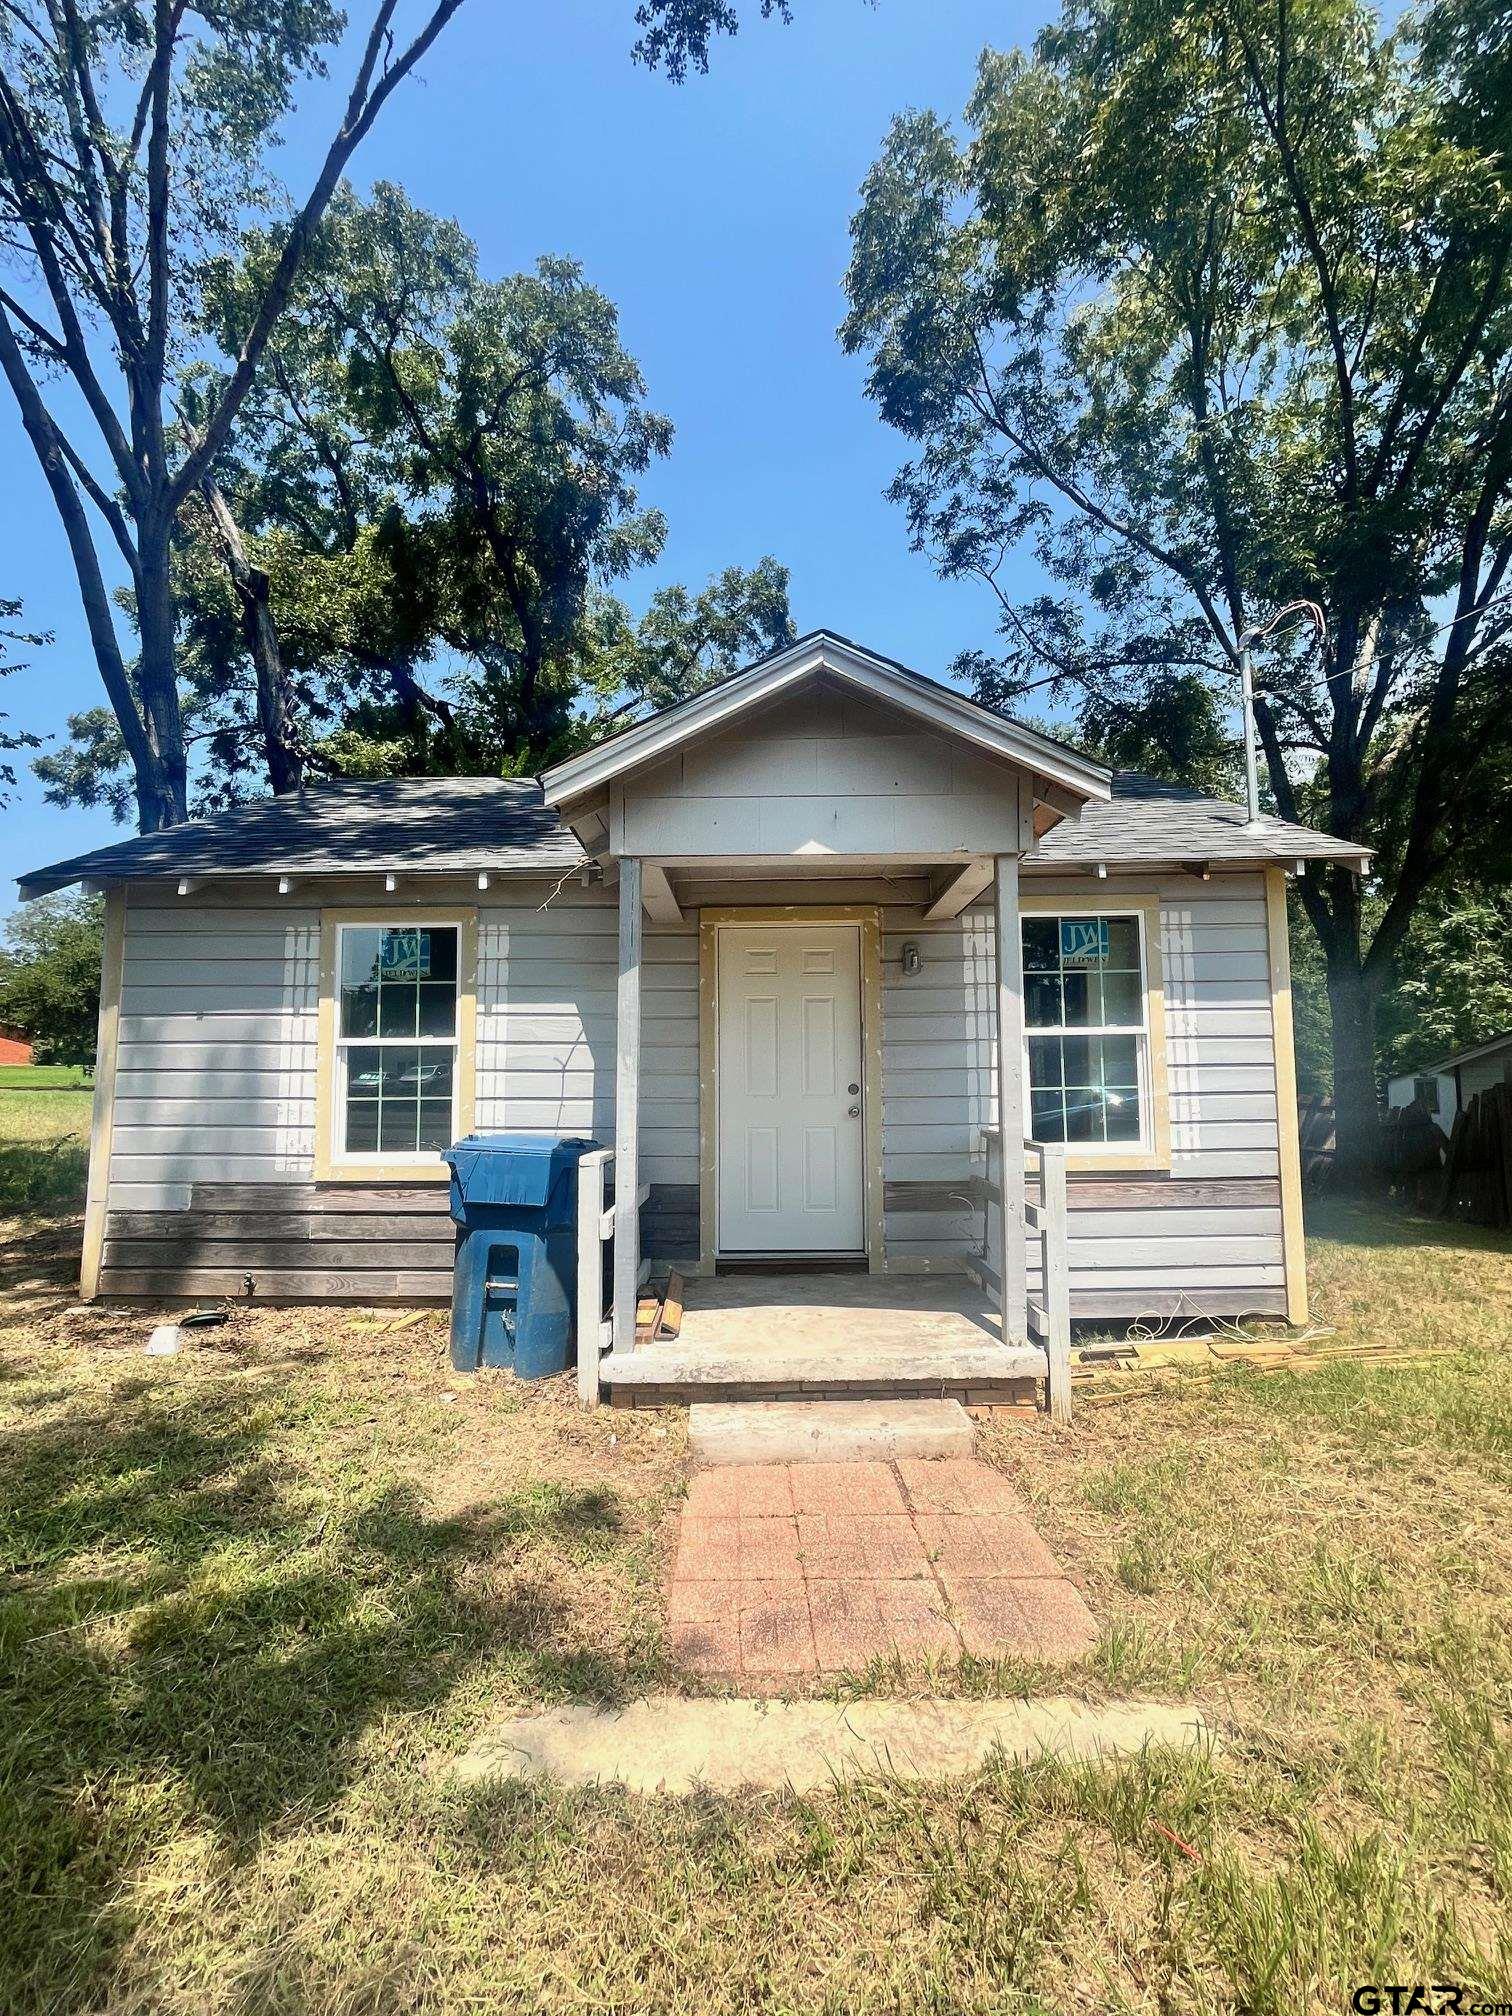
1477	1181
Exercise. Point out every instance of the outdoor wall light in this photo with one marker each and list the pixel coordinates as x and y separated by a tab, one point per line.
913	958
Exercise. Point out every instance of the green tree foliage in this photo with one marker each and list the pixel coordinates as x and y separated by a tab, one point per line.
1207	310
134	141
132	148
1456	984
50	976
405	559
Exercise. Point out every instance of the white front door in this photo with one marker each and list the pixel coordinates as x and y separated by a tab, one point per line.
791	1175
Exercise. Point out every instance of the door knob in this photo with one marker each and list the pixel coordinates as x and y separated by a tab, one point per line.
854	1111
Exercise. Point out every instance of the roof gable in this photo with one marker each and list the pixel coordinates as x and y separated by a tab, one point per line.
823	654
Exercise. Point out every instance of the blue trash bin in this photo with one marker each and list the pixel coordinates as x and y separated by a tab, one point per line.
515	1198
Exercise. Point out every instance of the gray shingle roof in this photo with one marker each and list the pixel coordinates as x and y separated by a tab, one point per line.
468	825
1150	821
460	825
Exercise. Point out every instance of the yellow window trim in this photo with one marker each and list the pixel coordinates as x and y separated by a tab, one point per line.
328	1169
1116	903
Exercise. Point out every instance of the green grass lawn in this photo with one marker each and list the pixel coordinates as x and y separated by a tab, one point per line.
44	1134
252	1596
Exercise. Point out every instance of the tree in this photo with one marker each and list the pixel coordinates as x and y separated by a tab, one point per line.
1456	986
684	642
1207	312
132	153
12	739
50	976
435	470
131	140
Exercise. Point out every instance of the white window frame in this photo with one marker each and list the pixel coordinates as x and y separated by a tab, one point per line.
332	1159
1153	1148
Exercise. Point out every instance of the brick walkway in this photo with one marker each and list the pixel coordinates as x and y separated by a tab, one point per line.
791	1569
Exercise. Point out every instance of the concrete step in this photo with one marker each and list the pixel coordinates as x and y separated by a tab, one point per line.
826	1431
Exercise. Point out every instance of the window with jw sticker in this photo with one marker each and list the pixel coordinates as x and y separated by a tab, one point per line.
1084	941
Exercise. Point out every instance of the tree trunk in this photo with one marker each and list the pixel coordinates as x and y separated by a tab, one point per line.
1351	1001
275	701
157	674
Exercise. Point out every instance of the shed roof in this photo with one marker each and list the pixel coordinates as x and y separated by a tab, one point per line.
1476	1051
468	825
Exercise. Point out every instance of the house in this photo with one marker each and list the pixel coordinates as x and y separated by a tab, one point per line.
15	1048
792	946
1446	1088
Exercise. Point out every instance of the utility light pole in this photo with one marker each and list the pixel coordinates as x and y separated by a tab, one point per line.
1246	639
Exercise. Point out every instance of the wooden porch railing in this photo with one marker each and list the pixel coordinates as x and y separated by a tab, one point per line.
1046	1220
595	1229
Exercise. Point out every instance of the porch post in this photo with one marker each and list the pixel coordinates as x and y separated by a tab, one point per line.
1013	1282
627	1108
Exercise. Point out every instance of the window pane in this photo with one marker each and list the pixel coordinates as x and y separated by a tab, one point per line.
1081	999
396	1010
435	1123
1122	1113
359	1011
1042	1001
1120	1060
438	1009
433	1074
1046	1116
1080	1063
1044	1061
1084	1113
364	1070
1123	1001
359	956
1041	944
397	1126
362	1126
438	960
1123	943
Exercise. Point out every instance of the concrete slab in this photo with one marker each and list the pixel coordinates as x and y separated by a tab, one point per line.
671	1746
760	1432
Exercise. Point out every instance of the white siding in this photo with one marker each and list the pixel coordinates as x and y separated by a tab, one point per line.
218	1051
216	1069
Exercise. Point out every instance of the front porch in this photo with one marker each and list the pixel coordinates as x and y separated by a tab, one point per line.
829	1335
839	845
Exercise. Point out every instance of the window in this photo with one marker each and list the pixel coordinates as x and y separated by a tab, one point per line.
1427	1091
396	1071
1087	1024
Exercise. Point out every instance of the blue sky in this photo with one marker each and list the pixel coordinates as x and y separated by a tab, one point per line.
715	215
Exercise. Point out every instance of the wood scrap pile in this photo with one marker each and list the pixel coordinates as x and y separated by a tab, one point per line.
1478	1167
659	1312
1099	1374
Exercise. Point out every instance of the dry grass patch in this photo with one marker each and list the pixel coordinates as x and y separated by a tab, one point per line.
250	1593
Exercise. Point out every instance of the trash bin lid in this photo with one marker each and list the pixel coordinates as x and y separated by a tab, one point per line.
513	1168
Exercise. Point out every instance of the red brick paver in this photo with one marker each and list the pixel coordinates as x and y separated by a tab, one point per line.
787	1570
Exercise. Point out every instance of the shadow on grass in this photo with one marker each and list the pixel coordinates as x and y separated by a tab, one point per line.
194	1639
1387	1225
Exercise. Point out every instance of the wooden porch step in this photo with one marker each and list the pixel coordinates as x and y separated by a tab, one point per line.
827	1368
